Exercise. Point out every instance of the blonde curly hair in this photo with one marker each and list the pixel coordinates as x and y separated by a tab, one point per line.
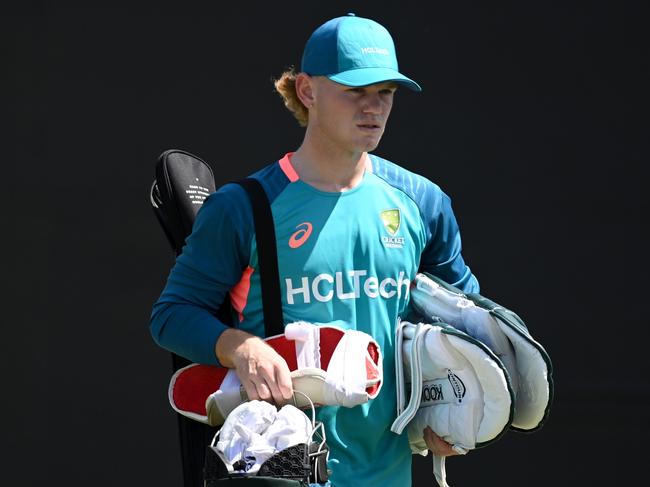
285	85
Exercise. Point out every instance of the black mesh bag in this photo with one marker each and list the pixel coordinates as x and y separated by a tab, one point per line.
295	466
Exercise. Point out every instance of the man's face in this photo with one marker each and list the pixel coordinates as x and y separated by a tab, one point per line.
350	118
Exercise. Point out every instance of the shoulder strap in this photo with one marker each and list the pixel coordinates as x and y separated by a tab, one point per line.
268	256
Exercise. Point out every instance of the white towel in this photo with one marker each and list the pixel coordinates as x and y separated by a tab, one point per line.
255	430
291	427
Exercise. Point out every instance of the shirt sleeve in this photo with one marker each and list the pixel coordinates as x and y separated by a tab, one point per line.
184	318
442	254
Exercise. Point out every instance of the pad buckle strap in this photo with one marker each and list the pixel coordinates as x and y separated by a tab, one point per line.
418	331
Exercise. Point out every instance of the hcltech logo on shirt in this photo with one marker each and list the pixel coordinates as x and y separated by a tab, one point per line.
324	287
392	221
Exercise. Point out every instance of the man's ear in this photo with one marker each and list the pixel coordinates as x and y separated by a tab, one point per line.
305	89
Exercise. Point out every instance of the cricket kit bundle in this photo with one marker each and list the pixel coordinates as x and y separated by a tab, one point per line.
470	370
330	365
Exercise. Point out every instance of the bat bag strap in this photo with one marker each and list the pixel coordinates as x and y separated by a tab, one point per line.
271	302
268	256
195	447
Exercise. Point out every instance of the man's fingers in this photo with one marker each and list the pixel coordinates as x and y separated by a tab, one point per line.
278	381
263	372
251	390
256	387
284	384
282	389
262	390
278	399
437	445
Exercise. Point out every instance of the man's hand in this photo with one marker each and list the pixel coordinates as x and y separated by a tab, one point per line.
261	370
437	445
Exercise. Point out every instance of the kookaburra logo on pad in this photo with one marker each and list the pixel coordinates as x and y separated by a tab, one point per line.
442	390
456	385
432	392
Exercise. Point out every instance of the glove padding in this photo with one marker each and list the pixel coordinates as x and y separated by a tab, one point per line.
528	365
330	365
459	388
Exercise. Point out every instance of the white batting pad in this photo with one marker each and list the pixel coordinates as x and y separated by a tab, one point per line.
457	387
528	365
331	365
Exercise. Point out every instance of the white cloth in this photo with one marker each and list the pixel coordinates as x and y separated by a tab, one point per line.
291	427
345	381
255	430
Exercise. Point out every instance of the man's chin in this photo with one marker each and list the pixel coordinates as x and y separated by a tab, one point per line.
370	144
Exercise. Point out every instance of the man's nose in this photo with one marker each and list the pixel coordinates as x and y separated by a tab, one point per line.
372	103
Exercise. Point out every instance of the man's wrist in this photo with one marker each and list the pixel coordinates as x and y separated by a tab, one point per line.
227	345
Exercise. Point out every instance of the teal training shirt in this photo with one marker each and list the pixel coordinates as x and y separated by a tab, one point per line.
345	259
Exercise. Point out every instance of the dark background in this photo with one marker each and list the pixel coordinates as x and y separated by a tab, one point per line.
532	119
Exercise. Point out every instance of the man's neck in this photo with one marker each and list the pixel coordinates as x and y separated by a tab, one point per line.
327	168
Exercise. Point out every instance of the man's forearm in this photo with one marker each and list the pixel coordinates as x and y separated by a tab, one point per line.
187	330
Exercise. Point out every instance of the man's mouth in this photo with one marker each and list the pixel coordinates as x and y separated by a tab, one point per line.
369	126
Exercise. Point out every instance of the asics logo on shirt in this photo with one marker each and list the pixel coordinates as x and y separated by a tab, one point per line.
345	285
301	235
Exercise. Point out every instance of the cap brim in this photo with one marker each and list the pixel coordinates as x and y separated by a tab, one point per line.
370	76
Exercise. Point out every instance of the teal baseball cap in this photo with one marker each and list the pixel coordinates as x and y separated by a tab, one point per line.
353	51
